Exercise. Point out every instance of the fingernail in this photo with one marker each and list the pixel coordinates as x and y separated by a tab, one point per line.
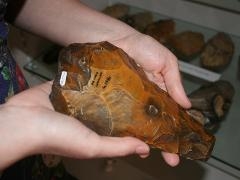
144	156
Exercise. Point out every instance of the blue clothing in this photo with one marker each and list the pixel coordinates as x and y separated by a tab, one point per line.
11	77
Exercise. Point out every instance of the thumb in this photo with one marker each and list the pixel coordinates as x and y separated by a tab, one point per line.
71	138
118	146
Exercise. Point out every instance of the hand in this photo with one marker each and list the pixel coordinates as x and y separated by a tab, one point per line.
161	67
29	125
159	63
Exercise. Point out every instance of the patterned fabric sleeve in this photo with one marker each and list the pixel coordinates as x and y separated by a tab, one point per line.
11	78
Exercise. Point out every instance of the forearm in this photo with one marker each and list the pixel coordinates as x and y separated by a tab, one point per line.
17	135
67	21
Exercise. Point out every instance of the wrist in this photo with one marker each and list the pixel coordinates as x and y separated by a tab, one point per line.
19	134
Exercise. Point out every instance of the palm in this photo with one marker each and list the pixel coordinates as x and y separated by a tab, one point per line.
159	64
47	131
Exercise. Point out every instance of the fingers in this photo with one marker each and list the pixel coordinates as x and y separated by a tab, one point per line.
171	159
173	83
35	96
160	66
115	147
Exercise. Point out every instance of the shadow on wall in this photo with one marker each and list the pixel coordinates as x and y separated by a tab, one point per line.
135	168
155	165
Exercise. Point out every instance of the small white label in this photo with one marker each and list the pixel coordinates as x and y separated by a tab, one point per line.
198	72
63	78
